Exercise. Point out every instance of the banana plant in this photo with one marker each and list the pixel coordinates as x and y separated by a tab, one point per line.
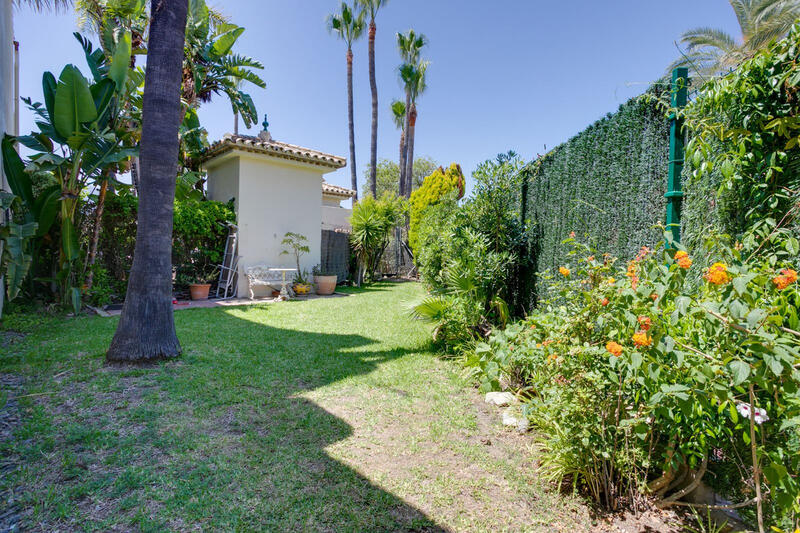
15	253
82	132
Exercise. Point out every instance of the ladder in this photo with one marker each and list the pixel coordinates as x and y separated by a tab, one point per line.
226	284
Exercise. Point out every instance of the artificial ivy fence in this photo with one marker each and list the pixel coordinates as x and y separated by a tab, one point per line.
606	184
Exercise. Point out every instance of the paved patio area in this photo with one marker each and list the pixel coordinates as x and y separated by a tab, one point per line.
116	309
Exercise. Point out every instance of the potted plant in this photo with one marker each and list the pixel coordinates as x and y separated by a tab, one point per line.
325	281
297	245
202	282
301	285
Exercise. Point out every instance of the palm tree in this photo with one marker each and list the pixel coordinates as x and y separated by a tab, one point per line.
399	118
413	76
410	45
711	51
371	7
146	329
349	27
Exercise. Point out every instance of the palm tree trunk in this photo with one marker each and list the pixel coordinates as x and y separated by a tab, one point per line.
98	219
404	156
373	148
412	123
236	123
353	171
401	165
146	329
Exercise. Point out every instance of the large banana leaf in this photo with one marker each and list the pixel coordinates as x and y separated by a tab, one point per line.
17	261
73	105
102	93
69	240
14	169
121	61
46	209
224	43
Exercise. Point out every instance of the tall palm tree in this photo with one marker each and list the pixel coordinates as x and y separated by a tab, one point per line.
399	118
371	7
146	329
711	51
409	45
349	26
413	76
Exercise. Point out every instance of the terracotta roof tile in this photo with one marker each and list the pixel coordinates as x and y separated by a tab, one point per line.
273	148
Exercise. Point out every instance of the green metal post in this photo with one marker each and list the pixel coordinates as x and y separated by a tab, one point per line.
680	81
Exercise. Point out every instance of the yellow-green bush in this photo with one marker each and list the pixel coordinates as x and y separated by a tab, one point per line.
433	189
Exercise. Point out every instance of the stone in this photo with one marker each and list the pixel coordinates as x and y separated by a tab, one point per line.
512	419
500	398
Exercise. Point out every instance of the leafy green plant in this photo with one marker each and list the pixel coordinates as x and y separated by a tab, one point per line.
372	222
433	189
199	233
296	245
80	136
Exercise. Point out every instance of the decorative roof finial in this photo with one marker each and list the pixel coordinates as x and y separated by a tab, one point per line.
264	135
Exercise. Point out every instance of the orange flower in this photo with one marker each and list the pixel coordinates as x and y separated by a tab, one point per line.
683	260
654	297
640	338
564	271
787	277
611	281
614	348
644	323
552	357
604	302
717	274
572	234
547	342
590	258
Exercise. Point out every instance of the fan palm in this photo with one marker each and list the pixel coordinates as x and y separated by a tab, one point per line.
413	77
349	26
711	51
410	45
371	7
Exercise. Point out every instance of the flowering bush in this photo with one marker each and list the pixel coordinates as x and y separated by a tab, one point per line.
641	383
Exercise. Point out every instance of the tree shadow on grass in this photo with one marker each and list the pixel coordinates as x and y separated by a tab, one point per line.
222	439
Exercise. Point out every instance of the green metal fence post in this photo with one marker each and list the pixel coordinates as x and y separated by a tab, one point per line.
680	81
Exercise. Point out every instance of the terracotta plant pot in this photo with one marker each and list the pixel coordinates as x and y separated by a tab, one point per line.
199	291
325	284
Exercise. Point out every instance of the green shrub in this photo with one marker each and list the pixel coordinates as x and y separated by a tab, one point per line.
198	246
433	189
372	222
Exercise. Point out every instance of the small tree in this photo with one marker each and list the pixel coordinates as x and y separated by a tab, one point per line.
372	222
298	245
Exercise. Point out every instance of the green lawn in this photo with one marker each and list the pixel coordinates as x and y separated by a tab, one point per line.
323	415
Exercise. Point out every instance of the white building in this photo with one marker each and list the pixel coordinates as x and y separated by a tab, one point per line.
276	188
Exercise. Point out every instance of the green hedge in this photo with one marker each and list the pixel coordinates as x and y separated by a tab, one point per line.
606	184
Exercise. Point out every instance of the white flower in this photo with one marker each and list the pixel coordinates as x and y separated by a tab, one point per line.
760	415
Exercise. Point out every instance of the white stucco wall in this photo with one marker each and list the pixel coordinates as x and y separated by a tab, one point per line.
225	184
274	196
336	217
6	74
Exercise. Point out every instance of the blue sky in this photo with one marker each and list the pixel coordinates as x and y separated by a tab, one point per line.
505	74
